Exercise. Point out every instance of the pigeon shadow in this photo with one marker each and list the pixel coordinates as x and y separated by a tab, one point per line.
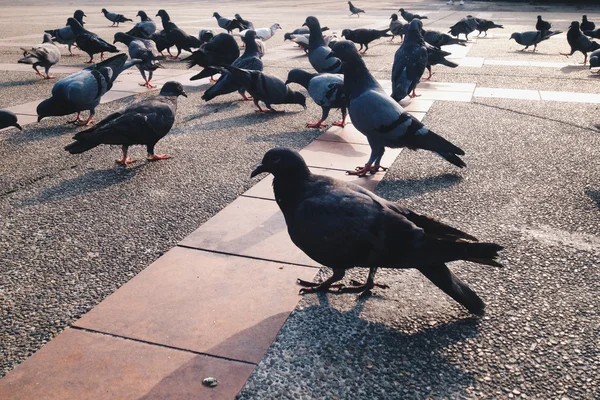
403	189
34	132
239	121
573	68
33	81
594	195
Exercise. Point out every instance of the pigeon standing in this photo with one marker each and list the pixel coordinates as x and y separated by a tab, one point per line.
342	225
483	25
464	26
65	35
439	39
410	61
115	18
143	29
177	36
83	90
532	38
89	42
162	42
587	25
220	51
354	10
408	17
437	56
45	55
245	24
579	42
381	119
144	50
227	24
262	33
396	27
9	118
327	90
143	121
319	55
364	36
542	25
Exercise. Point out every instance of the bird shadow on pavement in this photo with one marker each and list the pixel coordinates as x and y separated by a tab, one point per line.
34	132
573	68
395	190
594	195
32	81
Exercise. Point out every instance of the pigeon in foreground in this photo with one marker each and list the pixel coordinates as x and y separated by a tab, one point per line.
437	56
45	55
579	42
396	27
354	10
319	55
9	118
266	88
410	61
206	35
595	60
250	60
327	90
89	42
542	25
221	50
409	16
587	25
143	29
532	38
177	36
593	34
65	35
144	50
342	225
381	119
464	26
143	121
439	39
483	25
364	36
262	33
245	24
227	24
115	18
83	90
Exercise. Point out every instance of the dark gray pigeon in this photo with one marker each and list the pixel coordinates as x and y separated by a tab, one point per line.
342	225
9	118
327	90
484	25
396	27
143	29
65	35
532	38
89	42
162	42
437	56
300	31
115	18
354	10
144	50
180	39
542	25
595	60
587	25
245	24
408	17
319	55
410	61
381	119
206	35
83	90
266	88
439	39
228	24
364	36
144	121
579	42
45	55
219	51
464	26
593	34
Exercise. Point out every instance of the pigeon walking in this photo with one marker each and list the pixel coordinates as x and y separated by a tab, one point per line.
319	55
354	10
115	18
143	50
45	55
542	25
162	42
245	24
381	119
143	121
587	25
408	17
439	39
143	29
464	26
342	225
579	42
396	27
483	25
220	51
262	33
410	61
364	36
89	42
65	35
180	39
227	24
327	90
532	38
437	56
8	119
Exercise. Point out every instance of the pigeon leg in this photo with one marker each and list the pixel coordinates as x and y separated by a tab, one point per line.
48	76
154	157
342	123
76	120
91	60
534	47
413	94
312	287
364	288
258	106
320	123
102	56
360	171
246	98
585	59
212	80
392	39
125	160
87	122
37	72
430	74
70	52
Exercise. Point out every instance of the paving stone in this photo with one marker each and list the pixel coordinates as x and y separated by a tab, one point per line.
342	156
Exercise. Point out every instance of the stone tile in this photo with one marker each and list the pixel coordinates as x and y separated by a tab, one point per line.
85	365
342	156
113	95
131	83
348	134
249	227
216	304
507	93
513	63
570	97
546	64
26	108
472	62
418	105
426	94
446	86
184	79
418	115
25	119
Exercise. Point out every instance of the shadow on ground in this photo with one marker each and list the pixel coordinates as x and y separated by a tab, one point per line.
397	190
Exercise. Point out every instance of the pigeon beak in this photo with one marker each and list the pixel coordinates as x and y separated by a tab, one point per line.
19	127
184	94
40	118
258	170
304	24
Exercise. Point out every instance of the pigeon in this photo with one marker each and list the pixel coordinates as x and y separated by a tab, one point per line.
364	36
227	24
83	90
262	33
595	60
300	31
327	90
318	53
162	42
587	25
9	118
381	119
45	55
354	10
65	34
437	56
144	121
532	38
221	50
250	60
266	88
410	61
206	35
409	16
579	42
396	27
144	50
542	25
244	23
342	225
439	39
180	39
593	34
89	42
143	29
115	18
483	25
464	26
302	41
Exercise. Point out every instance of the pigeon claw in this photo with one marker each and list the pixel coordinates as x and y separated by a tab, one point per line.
414	94
314	287
362	171
156	157
363	288
125	161
318	124
340	124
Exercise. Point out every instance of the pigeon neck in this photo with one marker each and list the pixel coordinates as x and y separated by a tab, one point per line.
251	48
303	78
413	36
357	78
316	37
288	186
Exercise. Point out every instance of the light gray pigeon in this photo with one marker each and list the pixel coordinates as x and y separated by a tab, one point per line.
532	38
83	90
396	27
383	121
115	18
143	121
9	118
65	35
342	226
144	50
354	10
45	55
410	61
319	54
327	90
143	29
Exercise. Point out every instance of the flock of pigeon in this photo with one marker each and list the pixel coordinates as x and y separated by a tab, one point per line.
337	224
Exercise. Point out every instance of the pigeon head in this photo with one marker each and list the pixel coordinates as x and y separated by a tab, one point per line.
75	25
293	97
47	38
287	36
238	16
122	37
216	15
584	18
401	10
574	25
345	32
249	36
344	50
142	14
394	17
104	11
299	76
515	35
539	17
173	88
281	162
78	15
163	14
50	108
312	22
8	118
